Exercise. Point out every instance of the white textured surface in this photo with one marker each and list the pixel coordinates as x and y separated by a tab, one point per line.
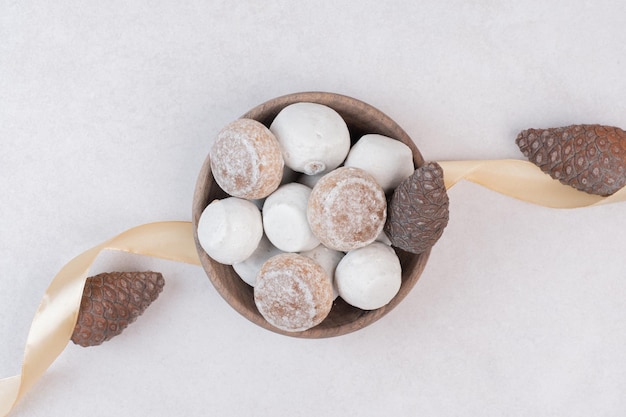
107	110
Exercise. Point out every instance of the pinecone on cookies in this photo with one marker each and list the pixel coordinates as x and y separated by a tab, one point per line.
418	210
590	158
111	301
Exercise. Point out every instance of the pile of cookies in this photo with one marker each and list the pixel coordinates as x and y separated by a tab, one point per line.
310	217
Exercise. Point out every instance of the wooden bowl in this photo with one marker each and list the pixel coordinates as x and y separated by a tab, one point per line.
361	119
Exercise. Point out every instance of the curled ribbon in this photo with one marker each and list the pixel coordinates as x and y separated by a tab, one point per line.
54	321
524	181
56	316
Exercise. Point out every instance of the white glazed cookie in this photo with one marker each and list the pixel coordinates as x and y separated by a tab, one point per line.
229	230
313	137
383	238
293	292
250	267
246	160
369	277
388	160
289	176
285	219
310	180
347	209
328	259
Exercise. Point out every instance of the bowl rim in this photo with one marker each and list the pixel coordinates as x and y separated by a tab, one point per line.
236	295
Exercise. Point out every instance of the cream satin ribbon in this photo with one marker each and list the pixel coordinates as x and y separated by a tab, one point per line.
524	181
56	316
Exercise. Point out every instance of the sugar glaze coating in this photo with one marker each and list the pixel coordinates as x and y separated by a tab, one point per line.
369	277
347	209
388	160
230	230
313	137
285	219
293	292
246	160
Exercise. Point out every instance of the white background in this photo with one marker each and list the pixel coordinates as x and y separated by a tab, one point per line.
107	110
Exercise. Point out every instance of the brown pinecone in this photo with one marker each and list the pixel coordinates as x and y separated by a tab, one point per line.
590	158
418	210
111	301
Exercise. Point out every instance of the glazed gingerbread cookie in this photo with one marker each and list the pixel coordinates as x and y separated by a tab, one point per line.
293	292
246	160
347	209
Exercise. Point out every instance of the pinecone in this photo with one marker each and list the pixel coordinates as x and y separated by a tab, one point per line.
590	158
111	301
418	210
